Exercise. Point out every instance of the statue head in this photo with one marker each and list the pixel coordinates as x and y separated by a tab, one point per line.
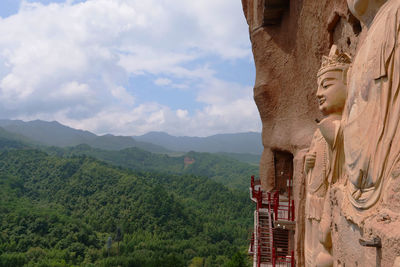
332	82
365	10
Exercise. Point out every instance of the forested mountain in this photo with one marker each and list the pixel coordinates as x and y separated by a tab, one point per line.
59	211
231	143
11	140
56	134
222	169
253	159
59	206
245	147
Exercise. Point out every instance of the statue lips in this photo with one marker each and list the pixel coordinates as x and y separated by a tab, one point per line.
321	102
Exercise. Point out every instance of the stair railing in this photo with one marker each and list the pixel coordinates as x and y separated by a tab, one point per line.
259	205
271	236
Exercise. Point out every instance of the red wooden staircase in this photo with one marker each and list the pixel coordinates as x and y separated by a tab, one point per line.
273	229
266	237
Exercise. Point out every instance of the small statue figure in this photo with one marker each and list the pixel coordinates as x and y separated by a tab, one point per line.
316	168
320	160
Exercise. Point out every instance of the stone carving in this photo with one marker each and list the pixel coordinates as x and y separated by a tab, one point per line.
369	137
319	161
371	119
316	168
362	203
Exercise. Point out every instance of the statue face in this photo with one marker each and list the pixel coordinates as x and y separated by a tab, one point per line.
331	92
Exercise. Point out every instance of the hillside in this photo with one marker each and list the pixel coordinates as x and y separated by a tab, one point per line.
222	169
58	211
243	157
245	147
11	140
230	143
56	134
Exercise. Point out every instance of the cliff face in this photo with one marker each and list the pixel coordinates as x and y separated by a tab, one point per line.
287	56
288	40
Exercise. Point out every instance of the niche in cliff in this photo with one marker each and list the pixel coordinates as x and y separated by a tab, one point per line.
344	30
283	163
273	11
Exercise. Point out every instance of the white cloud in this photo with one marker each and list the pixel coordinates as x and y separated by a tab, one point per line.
181	113
122	95
72	90
162	81
72	62
235	117
168	82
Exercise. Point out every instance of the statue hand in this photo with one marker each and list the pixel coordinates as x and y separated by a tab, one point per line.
309	161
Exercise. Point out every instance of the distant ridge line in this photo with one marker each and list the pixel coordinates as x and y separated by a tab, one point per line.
56	134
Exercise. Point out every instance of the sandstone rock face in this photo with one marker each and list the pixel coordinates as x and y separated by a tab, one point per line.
289	39
287	57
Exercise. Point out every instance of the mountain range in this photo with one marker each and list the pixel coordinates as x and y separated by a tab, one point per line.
60	204
56	134
241	146
248	143
61	211
230	169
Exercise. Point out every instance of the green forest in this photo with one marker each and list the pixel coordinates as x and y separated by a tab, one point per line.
222	169
62	207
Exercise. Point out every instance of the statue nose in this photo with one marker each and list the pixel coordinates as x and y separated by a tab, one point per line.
319	94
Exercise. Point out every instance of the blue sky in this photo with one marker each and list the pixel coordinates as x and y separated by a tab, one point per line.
128	66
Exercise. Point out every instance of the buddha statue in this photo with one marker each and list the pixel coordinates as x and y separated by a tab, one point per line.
371	128
320	161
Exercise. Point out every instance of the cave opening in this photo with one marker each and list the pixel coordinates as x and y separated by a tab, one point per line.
283	163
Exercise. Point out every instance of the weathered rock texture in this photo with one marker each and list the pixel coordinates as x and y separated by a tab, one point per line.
363	201
288	40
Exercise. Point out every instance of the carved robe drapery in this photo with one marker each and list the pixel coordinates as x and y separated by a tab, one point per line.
371	119
317	182
316	189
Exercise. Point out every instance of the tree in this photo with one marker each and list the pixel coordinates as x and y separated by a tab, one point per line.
118	237
238	260
197	262
109	243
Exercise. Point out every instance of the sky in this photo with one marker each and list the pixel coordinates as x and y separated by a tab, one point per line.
128	67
